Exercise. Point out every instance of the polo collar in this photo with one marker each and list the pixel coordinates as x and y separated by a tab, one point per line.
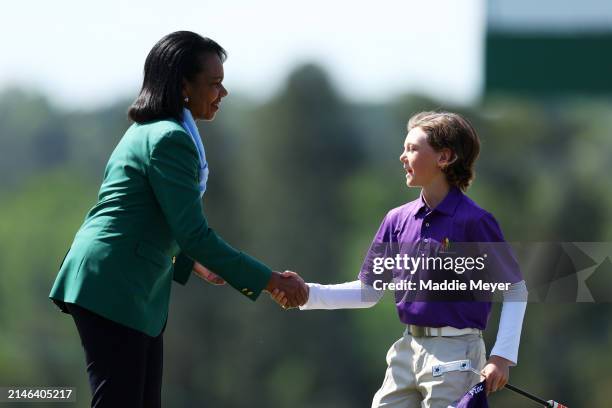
448	206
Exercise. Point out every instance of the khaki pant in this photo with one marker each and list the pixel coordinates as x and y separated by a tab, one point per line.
409	382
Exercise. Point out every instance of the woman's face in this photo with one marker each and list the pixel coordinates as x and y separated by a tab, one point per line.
206	90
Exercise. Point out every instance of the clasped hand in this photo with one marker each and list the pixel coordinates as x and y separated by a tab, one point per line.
288	289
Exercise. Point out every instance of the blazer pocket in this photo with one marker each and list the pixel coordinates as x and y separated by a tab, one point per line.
148	251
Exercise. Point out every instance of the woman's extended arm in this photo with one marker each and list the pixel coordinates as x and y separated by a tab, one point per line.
173	175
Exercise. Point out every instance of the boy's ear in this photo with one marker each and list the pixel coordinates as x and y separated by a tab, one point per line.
446	158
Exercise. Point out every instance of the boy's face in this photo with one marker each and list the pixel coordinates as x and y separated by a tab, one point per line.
420	160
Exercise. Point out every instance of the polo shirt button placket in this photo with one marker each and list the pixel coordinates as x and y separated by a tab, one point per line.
426	241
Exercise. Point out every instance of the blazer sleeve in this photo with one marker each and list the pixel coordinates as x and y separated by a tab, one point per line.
173	175
183	265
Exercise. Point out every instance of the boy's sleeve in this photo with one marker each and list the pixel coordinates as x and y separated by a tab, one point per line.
501	262
511	323
380	248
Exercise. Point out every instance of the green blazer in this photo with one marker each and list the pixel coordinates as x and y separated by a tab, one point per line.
145	231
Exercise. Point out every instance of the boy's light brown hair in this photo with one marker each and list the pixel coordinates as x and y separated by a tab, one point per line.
452	131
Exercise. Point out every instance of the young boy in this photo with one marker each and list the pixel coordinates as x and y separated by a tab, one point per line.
439	155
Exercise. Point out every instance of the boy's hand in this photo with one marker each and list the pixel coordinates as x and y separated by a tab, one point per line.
496	373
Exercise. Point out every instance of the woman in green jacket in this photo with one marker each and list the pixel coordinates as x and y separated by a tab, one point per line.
148	228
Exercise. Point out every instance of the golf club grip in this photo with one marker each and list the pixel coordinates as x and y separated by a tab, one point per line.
528	395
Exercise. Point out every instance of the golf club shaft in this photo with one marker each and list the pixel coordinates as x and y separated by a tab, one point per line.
528	395
519	391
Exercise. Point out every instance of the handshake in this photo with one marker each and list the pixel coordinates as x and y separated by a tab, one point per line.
287	289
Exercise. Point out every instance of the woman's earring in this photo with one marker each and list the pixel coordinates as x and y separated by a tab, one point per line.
186	99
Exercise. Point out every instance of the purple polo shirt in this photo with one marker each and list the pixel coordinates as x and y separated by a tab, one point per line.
415	229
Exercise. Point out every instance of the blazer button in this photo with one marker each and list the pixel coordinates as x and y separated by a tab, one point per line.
249	294
174	259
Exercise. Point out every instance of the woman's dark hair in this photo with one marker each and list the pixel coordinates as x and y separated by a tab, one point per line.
175	57
452	131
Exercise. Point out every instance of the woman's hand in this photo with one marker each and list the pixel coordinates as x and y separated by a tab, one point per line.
207	275
496	373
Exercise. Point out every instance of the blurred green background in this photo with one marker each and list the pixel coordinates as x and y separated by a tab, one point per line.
302	181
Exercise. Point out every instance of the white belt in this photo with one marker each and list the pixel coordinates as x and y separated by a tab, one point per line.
446	331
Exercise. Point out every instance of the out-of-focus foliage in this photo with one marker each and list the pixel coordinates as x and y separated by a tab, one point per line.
302	182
